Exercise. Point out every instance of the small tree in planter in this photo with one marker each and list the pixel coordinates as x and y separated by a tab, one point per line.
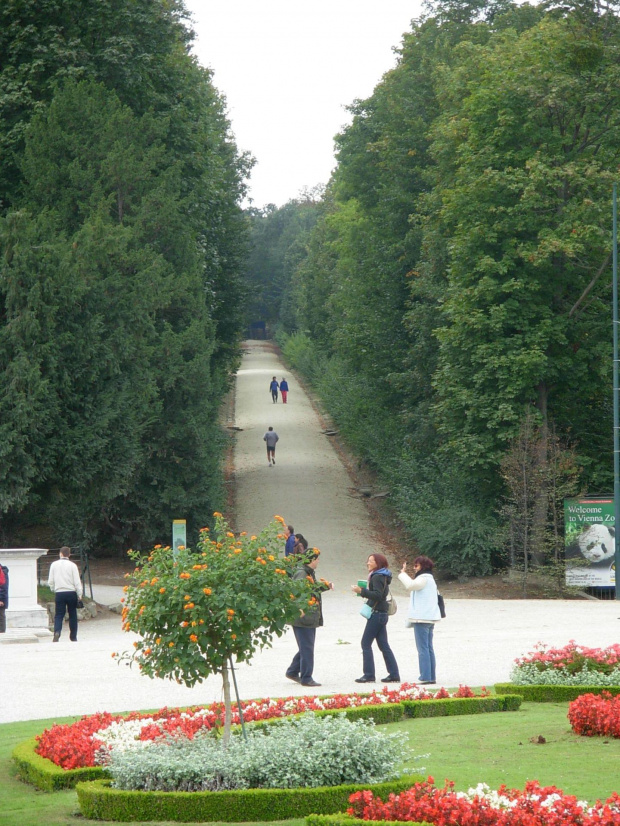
195	610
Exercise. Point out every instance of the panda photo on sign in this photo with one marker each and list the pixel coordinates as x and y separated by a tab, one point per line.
596	543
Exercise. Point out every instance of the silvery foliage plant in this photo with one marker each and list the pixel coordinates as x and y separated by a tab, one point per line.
308	751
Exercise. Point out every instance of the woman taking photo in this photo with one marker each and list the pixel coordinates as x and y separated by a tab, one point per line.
376	594
423	613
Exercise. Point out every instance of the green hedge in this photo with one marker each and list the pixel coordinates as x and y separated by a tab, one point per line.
553	693
101	802
341	819
461	705
45	775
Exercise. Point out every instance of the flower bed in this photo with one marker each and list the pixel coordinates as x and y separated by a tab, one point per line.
593	714
88	741
534	806
571	665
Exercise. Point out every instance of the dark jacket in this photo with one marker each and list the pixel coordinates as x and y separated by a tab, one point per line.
4	587
378	589
313	614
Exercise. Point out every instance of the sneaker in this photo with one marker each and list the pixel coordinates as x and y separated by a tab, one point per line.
56	637
311	683
365	680
389	679
292	677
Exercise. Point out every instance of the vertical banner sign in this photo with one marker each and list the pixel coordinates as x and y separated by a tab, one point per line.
178	534
590	537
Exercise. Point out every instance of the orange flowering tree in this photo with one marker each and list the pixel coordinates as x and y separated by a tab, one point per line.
194	610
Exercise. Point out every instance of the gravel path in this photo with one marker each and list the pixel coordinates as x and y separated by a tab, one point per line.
475	644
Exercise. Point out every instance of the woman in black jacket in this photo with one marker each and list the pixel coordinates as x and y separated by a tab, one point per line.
4	596
376	594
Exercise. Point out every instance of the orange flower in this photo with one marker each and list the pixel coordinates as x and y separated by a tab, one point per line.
193	637
127	576
203	529
125	588
154	580
158	640
188	606
207	591
230	612
238	550
162	590
233	636
271	558
243	533
253	537
184	624
217	514
114	654
184	575
170	645
279	519
229	533
201	622
156	547
147	650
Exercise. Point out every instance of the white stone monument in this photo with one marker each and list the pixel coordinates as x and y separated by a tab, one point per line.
24	610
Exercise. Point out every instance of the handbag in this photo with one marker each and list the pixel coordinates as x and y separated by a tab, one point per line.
391	604
366	611
80	603
442	605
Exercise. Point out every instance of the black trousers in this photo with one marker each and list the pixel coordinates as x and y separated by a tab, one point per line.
302	665
66	601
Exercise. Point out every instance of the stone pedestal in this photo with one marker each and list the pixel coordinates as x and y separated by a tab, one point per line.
23	610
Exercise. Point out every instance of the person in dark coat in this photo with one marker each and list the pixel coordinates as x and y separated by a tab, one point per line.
4	596
376	594
301	668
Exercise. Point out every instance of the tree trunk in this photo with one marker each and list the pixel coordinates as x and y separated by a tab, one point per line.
227	705
541	507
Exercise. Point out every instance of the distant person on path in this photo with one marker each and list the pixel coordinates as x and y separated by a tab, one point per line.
289	533
271	437
273	387
376	594
301	668
301	544
284	390
64	580
423	613
4	596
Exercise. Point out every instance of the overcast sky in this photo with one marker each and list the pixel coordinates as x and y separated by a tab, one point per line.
288	70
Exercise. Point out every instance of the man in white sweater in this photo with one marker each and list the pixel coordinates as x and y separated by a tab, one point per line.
64	580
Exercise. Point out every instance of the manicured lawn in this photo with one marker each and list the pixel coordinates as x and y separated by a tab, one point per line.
497	748
493	748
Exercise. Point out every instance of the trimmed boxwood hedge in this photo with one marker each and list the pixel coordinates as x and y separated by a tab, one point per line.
99	801
461	705
342	819
45	775
553	693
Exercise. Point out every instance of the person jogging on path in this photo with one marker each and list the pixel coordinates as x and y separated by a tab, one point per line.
271	437
273	387
284	390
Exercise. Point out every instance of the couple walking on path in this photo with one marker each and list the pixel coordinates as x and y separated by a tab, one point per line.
423	614
273	389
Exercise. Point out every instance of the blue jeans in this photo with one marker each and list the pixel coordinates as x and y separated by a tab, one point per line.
66	600
302	665
376	629
426	654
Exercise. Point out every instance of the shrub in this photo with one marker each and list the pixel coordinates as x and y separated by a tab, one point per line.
593	714
552	693
98	801
273	757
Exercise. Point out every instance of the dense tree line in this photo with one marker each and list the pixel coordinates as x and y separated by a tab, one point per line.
122	241
456	288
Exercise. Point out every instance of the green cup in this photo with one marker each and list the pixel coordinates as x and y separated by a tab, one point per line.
362	583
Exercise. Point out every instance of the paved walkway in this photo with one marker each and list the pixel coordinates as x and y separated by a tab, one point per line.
476	644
